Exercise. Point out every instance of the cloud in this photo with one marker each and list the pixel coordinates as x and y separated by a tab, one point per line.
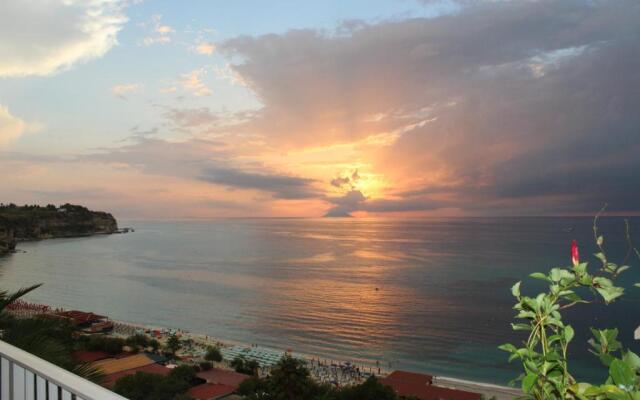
43	38
205	48
161	34
281	186
499	103
347	181
192	82
354	201
121	90
205	161
12	127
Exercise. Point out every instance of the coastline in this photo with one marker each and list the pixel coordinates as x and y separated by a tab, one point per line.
486	389
123	328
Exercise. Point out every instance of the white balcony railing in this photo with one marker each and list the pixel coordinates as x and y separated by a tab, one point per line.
24	376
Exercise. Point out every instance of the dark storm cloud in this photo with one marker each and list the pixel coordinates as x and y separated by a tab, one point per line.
354	201
281	186
527	101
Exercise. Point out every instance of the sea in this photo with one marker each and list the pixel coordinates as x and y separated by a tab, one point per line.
426	295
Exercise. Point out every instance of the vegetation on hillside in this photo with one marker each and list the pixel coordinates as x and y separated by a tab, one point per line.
38	222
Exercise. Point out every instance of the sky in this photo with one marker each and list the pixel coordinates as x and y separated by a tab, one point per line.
372	108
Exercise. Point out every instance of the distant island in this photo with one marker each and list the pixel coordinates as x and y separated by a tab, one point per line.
33	222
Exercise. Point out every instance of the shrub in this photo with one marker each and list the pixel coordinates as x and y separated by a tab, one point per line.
213	354
103	343
546	373
205	366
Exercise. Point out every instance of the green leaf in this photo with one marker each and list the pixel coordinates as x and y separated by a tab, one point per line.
621	373
606	289
515	289
632	360
568	333
520	327
528	382
600	240
508	347
601	257
610	294
621	269
539	275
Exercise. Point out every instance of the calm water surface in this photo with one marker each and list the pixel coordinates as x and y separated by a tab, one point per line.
429	295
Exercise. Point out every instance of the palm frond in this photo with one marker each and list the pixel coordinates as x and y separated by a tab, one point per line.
8	298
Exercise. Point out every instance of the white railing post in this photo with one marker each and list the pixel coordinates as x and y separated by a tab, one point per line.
24	376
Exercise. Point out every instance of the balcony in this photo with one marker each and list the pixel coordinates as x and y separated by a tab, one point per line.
24	376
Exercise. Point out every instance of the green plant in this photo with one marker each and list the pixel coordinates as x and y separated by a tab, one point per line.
173	344
213	354
546	374
249	367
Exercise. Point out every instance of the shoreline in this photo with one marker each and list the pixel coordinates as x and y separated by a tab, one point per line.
489	390
126	328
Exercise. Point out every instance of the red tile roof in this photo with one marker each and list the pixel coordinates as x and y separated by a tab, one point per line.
210	391
110	380
420	385
81	317
90	356
223	376
440	393
408	378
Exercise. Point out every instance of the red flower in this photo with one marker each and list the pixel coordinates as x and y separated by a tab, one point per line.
575	256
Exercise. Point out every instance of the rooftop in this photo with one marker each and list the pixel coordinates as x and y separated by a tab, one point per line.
110	380
113	365
221	376
420	385
210	391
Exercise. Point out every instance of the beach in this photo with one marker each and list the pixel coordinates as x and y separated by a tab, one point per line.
320	369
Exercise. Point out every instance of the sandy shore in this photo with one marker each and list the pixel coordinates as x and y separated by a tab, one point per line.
487	389
126	328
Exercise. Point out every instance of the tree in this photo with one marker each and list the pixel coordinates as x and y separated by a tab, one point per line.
249	367
213	354
370	389
546	373
173	344
290	379
184	373
146	386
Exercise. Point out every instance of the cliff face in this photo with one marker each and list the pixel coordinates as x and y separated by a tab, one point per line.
34	222
7	239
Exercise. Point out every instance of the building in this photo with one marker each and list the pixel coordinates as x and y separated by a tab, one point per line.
86	321
211	391
222	376
112	365
421	386
111	379
90	356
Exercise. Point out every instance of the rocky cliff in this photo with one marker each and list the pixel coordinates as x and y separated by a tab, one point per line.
35	222
7	239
